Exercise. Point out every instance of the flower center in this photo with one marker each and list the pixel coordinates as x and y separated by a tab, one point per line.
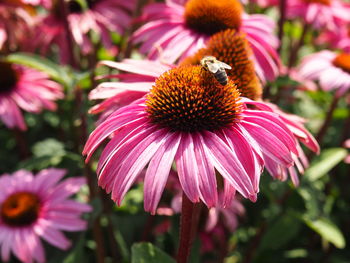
74	7
8	77
20	209
322	2
212	16
190	99
232	48
342	61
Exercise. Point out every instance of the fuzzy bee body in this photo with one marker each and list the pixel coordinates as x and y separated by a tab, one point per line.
217	68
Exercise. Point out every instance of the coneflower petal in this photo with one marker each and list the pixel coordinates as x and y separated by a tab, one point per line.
158	171
207	179
187	168
135	161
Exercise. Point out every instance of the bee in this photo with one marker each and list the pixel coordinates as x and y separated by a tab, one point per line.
216	67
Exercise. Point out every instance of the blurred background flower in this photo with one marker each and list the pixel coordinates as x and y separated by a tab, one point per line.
34	207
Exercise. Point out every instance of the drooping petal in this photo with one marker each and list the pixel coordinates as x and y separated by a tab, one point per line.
158	171
187	168
207	179
229	166
136	160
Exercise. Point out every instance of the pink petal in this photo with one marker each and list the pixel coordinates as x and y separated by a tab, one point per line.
158	171
187	168
228	165
134	162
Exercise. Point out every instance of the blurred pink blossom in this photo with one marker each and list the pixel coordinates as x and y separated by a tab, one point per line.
330	69
339	38
27	89
101	17
175	31
319	13
34	207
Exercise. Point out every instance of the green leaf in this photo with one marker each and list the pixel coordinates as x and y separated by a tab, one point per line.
48	147
327	230
43	64
123	247
147	253
48	152
327	160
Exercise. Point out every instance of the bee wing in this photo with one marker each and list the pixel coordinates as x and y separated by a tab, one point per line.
213	67
224	65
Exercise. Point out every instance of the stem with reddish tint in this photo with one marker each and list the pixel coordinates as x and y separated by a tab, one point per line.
282	9
64	14
21	143
295	50
293	56
188	228
91	181
346	129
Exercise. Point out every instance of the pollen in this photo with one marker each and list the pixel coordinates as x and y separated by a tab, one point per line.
190	99
212	16
342	61
322	2
20	209
232	48
8	77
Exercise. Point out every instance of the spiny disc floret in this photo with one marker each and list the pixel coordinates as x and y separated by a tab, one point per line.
190	99
212	16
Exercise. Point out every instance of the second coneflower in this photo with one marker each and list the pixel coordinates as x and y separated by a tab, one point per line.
189	118
176	30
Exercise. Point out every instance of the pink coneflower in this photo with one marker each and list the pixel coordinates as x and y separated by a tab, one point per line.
15	22
34	207
319	13
100	16
27	89
339	38
191	119
176	30
330	69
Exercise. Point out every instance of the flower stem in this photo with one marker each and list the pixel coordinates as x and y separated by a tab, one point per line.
21	143
295	50
69	37
282	19
188	228
322	132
